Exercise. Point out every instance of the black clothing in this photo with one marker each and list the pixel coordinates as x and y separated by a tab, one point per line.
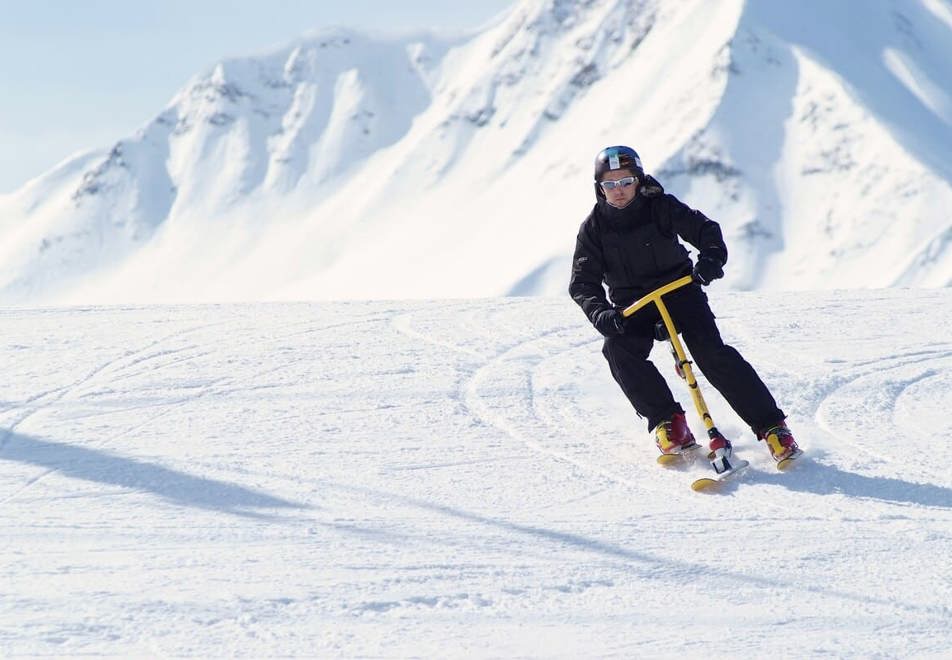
706	270
721	364
610	322
634	251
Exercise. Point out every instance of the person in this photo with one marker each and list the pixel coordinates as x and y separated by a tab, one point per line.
630	242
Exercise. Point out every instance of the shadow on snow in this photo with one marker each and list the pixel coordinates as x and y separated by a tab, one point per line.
652	567
824	479
105	468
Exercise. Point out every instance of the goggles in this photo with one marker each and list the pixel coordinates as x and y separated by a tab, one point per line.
621	183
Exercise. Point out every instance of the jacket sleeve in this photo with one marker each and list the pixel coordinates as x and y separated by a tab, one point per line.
588	271
697	229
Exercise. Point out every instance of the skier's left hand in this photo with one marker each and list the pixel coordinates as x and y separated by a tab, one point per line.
707	270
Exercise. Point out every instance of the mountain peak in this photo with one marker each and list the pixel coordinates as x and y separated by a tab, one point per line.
348	164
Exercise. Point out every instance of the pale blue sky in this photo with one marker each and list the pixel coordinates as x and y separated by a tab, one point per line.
80	74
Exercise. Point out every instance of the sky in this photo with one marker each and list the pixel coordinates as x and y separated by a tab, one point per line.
80	75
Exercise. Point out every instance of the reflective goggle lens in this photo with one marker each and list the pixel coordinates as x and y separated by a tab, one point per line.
621	183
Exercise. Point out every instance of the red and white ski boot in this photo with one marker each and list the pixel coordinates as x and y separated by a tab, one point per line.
674	439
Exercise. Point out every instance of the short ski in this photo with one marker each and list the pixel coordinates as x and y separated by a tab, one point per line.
711	483
787	463
683	457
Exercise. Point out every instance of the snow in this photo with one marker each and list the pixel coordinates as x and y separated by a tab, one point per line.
426	468
348	165
462	477
919	84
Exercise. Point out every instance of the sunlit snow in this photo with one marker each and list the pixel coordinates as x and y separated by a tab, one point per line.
463	478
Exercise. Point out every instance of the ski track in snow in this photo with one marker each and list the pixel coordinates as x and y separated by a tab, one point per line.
116	366
464	478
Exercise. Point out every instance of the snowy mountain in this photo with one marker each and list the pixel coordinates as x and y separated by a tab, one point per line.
464	479
350	165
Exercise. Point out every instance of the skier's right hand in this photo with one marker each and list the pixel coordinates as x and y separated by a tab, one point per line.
610	322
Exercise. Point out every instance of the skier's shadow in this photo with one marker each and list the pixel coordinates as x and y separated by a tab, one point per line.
136	475
823	479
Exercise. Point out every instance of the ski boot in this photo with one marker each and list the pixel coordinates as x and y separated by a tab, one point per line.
780	442
673	436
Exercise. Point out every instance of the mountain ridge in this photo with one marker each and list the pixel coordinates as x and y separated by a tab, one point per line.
354	166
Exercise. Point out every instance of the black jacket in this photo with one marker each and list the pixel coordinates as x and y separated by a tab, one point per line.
635	250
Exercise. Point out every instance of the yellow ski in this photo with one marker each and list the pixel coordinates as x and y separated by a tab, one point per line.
711	483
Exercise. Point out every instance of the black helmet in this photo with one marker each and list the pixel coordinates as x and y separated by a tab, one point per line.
618	158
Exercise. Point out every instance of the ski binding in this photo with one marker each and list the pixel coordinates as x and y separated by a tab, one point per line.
684	457
707	483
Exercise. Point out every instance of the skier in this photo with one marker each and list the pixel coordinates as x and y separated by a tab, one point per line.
630	242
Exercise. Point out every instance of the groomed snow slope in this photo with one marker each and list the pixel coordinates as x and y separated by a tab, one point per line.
439	479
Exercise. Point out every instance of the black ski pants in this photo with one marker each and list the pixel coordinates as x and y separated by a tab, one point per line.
721	364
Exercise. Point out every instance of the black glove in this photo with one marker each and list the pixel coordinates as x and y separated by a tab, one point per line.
610	322
708	269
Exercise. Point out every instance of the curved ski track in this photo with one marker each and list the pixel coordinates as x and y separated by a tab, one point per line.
509	365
